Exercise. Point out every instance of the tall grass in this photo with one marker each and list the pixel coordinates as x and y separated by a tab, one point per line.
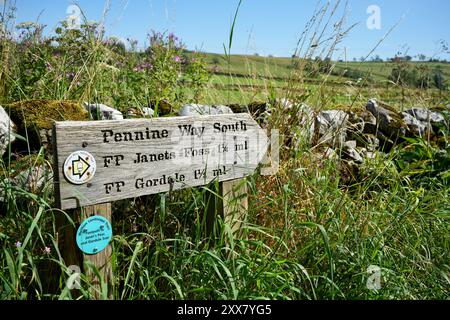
310	233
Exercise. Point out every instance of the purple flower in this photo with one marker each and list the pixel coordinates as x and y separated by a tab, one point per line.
18	244
139	68
47	250
177	59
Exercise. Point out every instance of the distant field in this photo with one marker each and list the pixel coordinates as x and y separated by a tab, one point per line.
249	78
276	67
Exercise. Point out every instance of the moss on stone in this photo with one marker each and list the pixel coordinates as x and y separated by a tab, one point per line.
39	114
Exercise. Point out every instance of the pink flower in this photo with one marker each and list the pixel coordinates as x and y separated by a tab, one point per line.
47	250
177	59
18	244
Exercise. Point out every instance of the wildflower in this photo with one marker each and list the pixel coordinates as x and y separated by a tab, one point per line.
177	59
138	68
47	250
18	244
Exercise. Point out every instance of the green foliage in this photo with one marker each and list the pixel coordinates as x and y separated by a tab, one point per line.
78	64
163	66
196	74
420	161
419	76
438	79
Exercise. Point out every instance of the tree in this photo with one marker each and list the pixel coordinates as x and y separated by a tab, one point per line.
402	74
421	57
424	77
438	79
377	58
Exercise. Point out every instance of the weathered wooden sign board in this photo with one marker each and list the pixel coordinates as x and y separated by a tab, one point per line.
104	161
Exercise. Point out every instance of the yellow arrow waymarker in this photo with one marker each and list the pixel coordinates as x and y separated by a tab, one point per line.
79	167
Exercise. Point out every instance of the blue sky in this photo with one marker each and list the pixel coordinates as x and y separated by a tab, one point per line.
263	26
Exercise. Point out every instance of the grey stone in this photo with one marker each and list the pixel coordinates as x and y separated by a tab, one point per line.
198	109
388	120
100	111
37	180
415	126
350	144
353	154
331	127
7	130
426	115
148	112
306	122
371	154
144	112
335	118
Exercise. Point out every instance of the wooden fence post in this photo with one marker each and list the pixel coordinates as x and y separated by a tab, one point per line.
230	202
235	204
102	260
73	256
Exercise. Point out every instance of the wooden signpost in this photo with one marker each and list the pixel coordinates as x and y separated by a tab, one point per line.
97	162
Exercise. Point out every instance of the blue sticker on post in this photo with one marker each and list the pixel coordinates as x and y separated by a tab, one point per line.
94	234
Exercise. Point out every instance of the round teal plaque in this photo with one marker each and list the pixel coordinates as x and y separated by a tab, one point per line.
94	234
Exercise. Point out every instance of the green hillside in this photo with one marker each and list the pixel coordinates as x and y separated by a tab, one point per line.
246	78
281	67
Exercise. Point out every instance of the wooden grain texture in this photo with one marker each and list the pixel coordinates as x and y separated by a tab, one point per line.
235	204
178	156
102	260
